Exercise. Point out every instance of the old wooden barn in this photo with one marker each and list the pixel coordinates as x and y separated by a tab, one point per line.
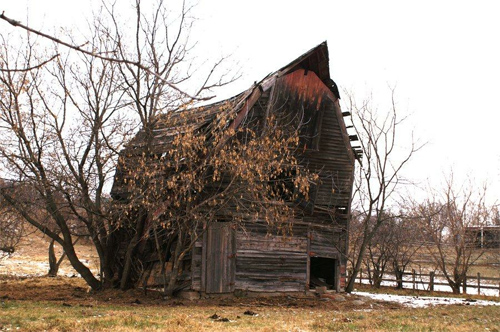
250	258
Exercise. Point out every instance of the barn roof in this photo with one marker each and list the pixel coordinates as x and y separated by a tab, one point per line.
315	60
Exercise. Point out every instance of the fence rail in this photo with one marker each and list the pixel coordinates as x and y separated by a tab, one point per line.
430	280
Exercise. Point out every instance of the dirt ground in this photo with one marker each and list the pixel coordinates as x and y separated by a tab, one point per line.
73	291
23	277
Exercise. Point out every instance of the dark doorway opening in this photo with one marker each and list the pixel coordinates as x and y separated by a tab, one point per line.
322	272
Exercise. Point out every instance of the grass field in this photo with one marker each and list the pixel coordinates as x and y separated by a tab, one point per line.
64	304
31	302
43	316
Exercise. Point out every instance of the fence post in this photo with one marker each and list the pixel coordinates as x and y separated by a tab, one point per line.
431	281
413	278
464	287
360	276
478	283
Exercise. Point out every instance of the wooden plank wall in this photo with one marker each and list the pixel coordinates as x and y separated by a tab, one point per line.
333	161
302	91
263	262
325	242
332	158
271	263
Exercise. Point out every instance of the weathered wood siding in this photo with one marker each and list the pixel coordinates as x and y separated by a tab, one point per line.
196	265
325	242
271	263
263	262
302	91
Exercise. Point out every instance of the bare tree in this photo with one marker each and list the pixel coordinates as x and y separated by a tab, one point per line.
66	117
144	76
165	52
444	221
63	125
393	246
380	173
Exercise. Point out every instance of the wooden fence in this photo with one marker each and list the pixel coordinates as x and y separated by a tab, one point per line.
432	279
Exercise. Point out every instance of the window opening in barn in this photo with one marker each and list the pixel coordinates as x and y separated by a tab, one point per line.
322	272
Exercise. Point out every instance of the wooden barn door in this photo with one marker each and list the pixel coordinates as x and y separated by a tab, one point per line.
218	263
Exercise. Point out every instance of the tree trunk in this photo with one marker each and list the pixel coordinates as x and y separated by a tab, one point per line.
455	288
377	278
53	266
55	263
161	258
109	269
127	267
84	271
175	269
456	282
399	277
362	249
357	267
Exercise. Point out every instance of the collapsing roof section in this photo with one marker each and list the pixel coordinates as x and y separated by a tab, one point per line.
315	60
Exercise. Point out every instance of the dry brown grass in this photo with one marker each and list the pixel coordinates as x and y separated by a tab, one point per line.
64	304
486	264
55	317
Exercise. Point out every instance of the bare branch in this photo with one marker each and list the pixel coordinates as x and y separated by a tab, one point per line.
30	68
137	64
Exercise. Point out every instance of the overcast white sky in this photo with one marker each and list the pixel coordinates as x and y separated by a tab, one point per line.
443	57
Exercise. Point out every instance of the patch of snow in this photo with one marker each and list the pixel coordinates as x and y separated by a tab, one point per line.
425	301
19	266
